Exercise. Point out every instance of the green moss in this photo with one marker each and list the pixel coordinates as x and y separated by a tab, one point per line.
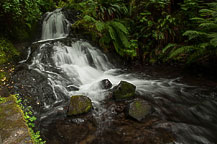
12	119
79	105
2	100
138	104
124	90
139	109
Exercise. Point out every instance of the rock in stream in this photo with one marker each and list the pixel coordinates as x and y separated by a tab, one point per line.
124	90
79	105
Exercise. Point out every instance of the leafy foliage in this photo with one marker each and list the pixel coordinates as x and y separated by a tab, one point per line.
7	51
30	119
149	30
202	41
18	17
104	21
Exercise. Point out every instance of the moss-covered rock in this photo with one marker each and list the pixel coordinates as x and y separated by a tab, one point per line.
79	105
139	109
13	128
124	90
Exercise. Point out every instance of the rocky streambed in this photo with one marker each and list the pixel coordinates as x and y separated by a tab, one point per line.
127	118
79	96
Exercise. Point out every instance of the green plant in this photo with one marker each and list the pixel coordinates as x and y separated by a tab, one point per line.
7	51
30	119
202	41
154	26
110	32
2	100
17	17
102	20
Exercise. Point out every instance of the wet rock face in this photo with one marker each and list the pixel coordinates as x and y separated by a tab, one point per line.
35	87
105	84
72	88
79	105
124	90
139	109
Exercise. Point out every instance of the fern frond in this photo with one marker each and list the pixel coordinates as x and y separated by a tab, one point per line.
209	25
170	45
212	35
194	34
206	12
119	26
181	50
100	26
89	18
195	56
123	38
213	42
212	5
202	46
118	48
198	19
112	33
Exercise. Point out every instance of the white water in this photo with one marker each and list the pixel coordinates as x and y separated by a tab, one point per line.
55	25
83	66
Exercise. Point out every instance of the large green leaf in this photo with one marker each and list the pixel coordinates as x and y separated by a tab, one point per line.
112	33
119	26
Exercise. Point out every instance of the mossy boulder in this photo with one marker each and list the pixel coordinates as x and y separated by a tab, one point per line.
124	90
79	105
13	127
139	109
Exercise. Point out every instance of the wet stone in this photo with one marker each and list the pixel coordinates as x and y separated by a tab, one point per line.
79	105
124	90
139	109
105	84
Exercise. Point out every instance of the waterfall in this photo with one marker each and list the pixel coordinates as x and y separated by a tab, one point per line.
55	25
58	70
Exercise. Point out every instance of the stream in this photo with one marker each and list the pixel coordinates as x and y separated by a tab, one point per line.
58	67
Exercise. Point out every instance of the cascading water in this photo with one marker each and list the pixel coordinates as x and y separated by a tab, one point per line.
55	25
58	71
